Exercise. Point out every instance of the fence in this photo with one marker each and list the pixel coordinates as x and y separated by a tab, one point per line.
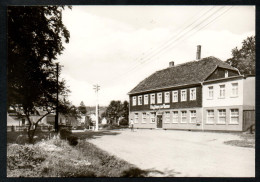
248	119
22	128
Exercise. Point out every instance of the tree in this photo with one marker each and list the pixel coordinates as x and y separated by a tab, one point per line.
82	108
125	110
115	110
244	59
35	38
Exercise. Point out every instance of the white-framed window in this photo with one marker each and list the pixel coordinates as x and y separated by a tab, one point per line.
136	118
152	98
183	95
226	73
183	116
175	96
134	100
175	117
193	116
210	116
234	116
222	116
210	92
140	100
166	97
234	91
146	99
159	98
221	91
152	117
144	117
193	94
167	117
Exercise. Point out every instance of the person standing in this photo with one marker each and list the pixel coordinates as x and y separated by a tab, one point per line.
132	124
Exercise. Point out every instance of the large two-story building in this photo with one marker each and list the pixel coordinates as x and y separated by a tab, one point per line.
180	97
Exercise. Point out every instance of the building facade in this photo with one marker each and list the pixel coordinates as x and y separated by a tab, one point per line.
175	98
229	103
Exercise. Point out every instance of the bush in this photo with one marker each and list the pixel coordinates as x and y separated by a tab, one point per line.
80	128
105	125
65	133
73	140
123	122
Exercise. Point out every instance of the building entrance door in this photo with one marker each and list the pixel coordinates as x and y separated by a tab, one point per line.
159	121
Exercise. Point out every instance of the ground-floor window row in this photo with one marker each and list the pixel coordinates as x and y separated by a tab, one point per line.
220	117
185	116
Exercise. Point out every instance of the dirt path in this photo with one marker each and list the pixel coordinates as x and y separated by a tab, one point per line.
181	153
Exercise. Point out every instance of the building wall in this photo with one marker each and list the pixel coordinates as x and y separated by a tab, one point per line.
173	105
170	124
249	91
229	99
227	126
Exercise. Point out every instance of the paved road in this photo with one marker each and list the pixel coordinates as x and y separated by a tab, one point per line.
181	153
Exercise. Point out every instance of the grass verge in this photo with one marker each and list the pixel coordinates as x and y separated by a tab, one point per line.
246	140
56	158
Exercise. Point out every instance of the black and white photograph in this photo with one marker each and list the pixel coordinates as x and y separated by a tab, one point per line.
130	91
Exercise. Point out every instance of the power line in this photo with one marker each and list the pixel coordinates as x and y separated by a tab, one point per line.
189	35
162	49
170	39
167	42
151	49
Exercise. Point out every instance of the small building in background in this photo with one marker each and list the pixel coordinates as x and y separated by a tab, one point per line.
104	121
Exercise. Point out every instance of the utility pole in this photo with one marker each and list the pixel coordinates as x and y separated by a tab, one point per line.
57	101
96	88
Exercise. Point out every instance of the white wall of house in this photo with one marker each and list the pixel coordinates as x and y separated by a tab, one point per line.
228	99
104	121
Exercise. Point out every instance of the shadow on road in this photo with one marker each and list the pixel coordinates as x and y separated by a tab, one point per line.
136	172
94	134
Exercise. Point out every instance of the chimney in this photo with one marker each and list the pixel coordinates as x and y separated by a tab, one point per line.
198	52
171	64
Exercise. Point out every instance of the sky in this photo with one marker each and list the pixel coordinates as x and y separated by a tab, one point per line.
117	47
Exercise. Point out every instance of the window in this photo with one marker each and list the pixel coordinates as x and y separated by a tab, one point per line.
140	102
136	117
152	117
134	101
226	73
210	116
166	97
167	117
174	96
144	118
234	89
221	116
193	116
159	98
145	99
234	116
23	121
193	94
152	98
175	117
183	95
210	92
183	116
222	91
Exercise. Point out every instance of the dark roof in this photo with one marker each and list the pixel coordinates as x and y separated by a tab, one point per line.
183	74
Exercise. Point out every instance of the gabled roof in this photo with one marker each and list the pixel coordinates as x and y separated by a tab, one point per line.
192	72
